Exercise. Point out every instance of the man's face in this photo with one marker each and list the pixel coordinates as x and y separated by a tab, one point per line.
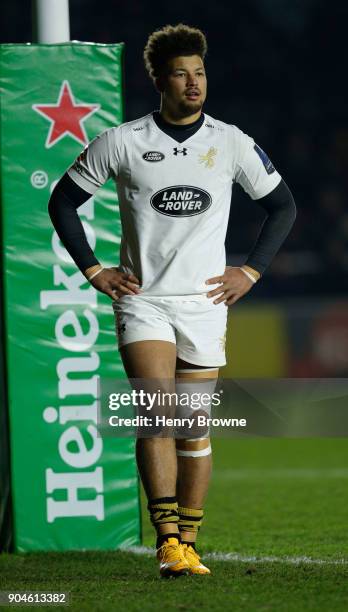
184	88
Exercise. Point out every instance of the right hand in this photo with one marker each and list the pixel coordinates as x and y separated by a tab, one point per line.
115	283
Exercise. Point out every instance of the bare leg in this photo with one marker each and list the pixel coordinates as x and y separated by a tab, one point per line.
156	457
193	472
193	475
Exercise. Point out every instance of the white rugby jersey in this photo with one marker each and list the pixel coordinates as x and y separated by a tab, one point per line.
174	197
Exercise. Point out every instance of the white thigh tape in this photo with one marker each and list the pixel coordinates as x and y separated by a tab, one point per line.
192	453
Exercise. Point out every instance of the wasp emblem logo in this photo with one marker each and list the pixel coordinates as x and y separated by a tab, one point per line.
209	158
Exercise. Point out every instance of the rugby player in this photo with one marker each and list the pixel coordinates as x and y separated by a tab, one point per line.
174	170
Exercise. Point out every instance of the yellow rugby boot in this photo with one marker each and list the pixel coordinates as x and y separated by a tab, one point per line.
194	561
172	560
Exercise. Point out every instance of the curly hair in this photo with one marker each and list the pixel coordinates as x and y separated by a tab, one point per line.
172	41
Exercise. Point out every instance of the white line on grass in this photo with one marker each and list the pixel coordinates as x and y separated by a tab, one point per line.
231	557
292	560
245	473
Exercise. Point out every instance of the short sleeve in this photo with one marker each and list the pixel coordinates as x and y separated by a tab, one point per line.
97	162
254	170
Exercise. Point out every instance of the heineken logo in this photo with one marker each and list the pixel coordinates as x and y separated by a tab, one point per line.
77	373
66	117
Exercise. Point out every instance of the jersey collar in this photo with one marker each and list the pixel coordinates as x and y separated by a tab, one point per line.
179	133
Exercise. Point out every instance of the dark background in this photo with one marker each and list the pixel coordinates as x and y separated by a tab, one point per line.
278	70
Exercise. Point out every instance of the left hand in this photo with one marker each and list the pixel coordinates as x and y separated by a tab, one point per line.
234	284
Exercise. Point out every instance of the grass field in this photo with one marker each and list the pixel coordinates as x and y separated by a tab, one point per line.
275	536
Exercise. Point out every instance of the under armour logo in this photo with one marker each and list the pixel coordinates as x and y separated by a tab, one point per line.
177	151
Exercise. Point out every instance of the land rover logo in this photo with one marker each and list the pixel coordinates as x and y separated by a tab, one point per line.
181	201
153	156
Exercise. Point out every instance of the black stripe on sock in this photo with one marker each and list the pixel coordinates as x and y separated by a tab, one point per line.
162	500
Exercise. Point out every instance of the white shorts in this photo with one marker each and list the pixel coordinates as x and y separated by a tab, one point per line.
193	323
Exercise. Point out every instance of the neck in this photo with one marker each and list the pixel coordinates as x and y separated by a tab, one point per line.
171	117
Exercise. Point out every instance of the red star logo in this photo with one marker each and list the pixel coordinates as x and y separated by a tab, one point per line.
66	117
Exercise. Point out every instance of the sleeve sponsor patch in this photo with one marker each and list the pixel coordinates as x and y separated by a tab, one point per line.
265	160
